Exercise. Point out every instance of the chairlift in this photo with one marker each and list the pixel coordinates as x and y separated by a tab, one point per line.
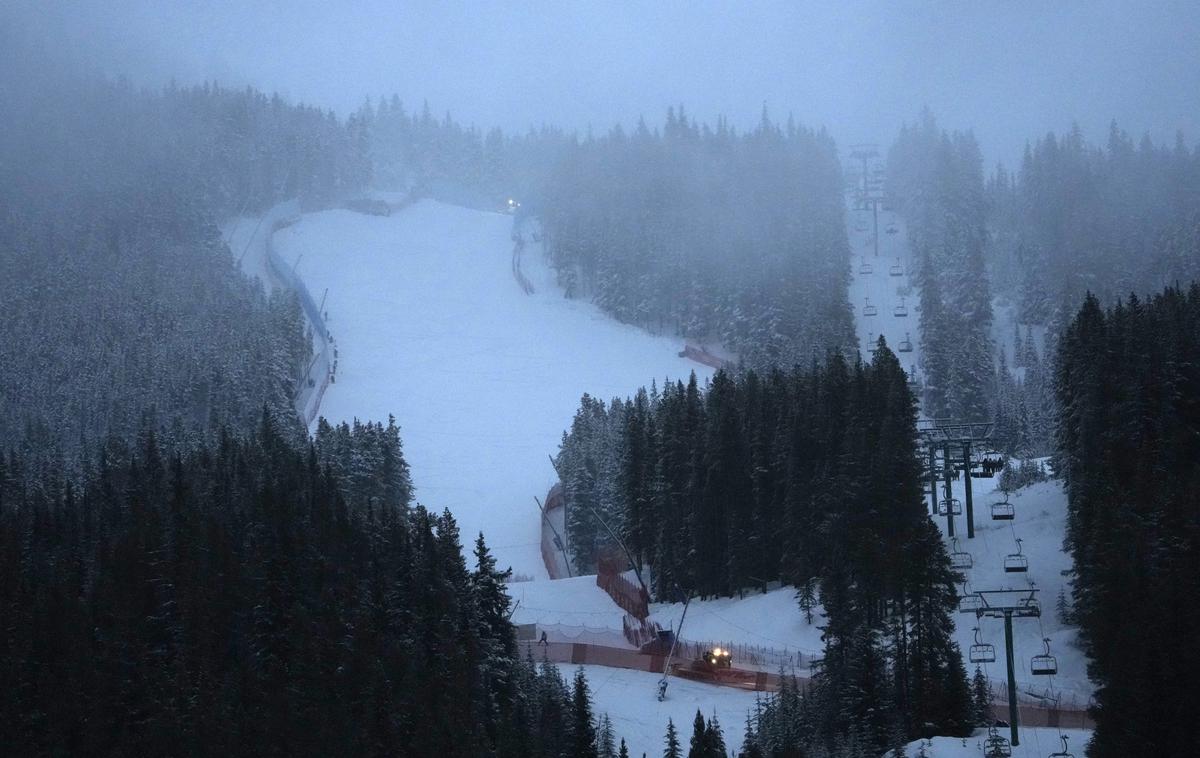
982	652
892	230
1032	604
906	345
950	506
1016	563
865	267
960	559
896	269
1044	664
996	746
1065	752
868	309
969	602
901	310
1003	510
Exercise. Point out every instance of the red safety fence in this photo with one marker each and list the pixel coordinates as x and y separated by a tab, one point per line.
596	655
701	355
632	598
639	632
552	553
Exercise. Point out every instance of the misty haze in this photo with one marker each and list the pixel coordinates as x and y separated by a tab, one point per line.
590	380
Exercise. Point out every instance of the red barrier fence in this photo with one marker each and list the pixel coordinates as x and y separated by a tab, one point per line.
553	517
762	681
631	597
700	355
596	655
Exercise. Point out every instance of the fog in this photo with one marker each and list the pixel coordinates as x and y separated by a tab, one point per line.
1010	71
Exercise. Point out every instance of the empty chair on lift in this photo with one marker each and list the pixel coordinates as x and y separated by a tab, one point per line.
1065	752
896	269
1003	511
950	506
901	310
969	602
1015	563
868	309
865	267
1044	664
982	652
960	559
905	344
996	746
1031	603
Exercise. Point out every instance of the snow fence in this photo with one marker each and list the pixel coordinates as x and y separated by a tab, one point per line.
321	369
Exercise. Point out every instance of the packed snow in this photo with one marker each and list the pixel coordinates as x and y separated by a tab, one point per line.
874	284
1035	743
630	700
1040	523
433	328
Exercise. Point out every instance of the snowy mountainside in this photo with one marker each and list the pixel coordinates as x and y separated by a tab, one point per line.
433	328
1040	513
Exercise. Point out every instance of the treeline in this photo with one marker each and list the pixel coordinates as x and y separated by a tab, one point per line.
123	306
231	600
810	477
1128	384
792	724
1110	220
125	310
709	234
935	179
1078	217
443	159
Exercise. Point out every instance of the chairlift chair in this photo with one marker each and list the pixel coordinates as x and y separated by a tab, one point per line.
1044	664
892	230
1003	511
996	746
959	559
982	652
1065	752
906	345
865	267
868	309
969	602
1016	563
896	269
950	505
901	310
1031	603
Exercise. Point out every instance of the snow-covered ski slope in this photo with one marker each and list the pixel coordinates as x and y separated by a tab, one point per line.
1035	743
433	328
879	288
1040	513
629	698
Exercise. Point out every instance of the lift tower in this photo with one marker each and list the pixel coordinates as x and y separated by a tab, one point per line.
1009	604
870	191
950	438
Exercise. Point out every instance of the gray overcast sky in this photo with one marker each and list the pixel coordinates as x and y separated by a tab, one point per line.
1009	70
